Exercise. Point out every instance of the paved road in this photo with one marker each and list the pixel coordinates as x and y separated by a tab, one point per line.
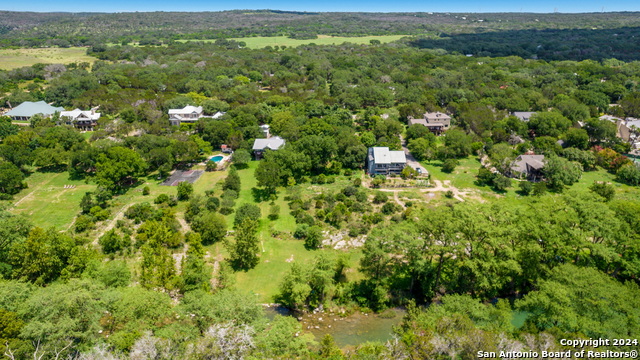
411	161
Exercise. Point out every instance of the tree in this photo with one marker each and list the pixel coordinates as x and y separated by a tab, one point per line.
112	243
629	174
244	251
118	167
577	138
561	172
241	158
501	182
458	142
549	123
232	182
268	175
195	273
313	237
246	211
422	149
211	226
605	310
185	189
329	349
42	256
11	179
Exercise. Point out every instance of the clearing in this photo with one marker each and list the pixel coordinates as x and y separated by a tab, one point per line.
259	42
16	58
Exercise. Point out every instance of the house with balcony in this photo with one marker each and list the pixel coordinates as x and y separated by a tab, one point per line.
83	120
189	115
436	122
382	161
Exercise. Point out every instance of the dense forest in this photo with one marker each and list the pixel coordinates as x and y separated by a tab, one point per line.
144	271
545	36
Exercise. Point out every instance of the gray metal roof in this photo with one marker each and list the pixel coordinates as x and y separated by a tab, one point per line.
273	143
382	155
29	108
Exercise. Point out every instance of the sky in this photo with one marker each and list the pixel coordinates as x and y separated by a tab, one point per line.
543	6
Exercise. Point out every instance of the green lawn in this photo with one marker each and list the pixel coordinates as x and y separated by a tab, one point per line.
263	41
47	203
16	58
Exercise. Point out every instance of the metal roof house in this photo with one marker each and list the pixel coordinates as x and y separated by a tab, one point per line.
260	145
527	167
28	109
188	114
382	161
83	120
523	115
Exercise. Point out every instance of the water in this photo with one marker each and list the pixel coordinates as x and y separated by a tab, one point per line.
348	331
216	158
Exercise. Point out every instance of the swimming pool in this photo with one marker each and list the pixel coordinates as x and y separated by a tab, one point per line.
216	159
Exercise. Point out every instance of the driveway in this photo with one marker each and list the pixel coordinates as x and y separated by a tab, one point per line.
411	161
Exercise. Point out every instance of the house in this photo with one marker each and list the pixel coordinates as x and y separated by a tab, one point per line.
382	161
527	167
226	149
626	129
28	109
83	120
523	115
437	122
261	145
188	114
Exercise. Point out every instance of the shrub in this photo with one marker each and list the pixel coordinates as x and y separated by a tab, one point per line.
390	208
84	223
525	187
161	199
246	211
380	197
603	189
501	182
211	166
146	190
274	212
449	165
301	231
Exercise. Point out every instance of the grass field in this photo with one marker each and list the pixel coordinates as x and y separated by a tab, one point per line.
47	203
277	254
263	41
16	58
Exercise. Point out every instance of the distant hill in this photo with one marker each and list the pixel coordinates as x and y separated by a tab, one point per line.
548	36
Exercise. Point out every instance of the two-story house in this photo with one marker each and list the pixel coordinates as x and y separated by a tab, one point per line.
83	120
382	161
436	122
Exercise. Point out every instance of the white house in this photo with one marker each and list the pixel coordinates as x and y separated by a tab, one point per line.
84	120
188	114
382	161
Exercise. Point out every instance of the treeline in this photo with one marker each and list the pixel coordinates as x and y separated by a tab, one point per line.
560	36
547	44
